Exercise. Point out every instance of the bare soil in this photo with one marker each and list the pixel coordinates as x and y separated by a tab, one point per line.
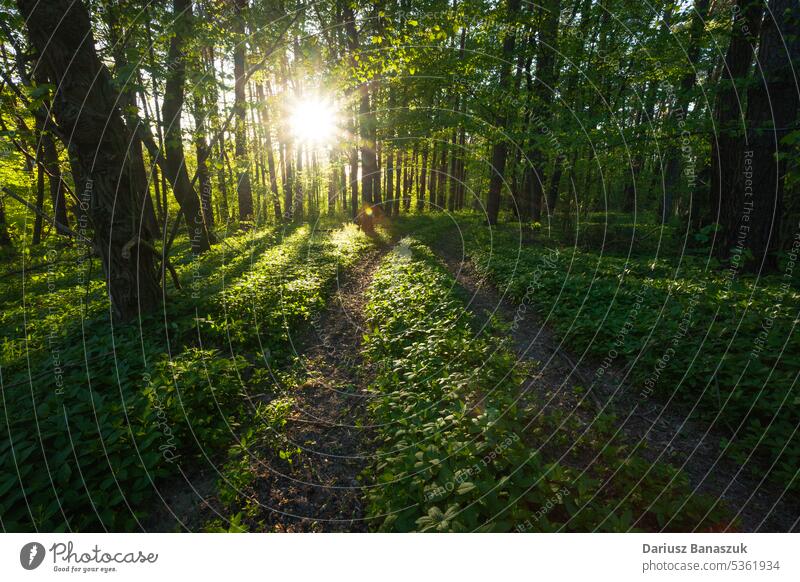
320	491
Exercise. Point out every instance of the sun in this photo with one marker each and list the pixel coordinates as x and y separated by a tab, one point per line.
314	119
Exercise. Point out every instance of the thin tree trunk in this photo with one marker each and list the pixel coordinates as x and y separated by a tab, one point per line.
5	240
422	178
243	190
39	168
273	175
171	108
500	147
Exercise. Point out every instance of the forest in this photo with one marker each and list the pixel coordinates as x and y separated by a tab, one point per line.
399	266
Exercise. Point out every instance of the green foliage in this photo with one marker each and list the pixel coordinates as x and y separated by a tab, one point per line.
456	452
722	346
96	417
196	396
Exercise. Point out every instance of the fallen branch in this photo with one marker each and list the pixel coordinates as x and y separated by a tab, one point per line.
49	219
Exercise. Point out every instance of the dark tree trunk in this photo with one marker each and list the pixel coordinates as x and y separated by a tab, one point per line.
726	150
422	178
57	185
85	108
343	185
273	175
389	180
499	153
171	109
432	206
203	153
407	165
398	172
772	106
555	182
546	74
366	129
354	182
441	178
680	108
5	240
126	80
454	157
39	168
297	207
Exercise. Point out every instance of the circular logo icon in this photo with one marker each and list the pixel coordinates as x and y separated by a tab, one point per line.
31	555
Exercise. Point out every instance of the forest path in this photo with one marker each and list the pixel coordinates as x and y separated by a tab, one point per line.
319	490
666	433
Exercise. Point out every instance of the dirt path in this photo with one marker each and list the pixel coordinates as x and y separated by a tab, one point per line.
320	490
668	435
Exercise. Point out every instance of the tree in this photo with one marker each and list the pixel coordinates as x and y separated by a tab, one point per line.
772	105
729	114
5	240
171	110
542	93
370	189
243	188
85	108
499	153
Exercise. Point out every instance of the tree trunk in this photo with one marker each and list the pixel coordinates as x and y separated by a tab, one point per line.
273	175
5	240
546	74
171	109
39	169
203	153
726	151
56	180
422	178
243	189
441	178
389	181
85	108
680	108
369	163
555	182
128	78
499	153
772	106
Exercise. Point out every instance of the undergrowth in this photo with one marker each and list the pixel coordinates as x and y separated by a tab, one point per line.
95	417
456	452
719	343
